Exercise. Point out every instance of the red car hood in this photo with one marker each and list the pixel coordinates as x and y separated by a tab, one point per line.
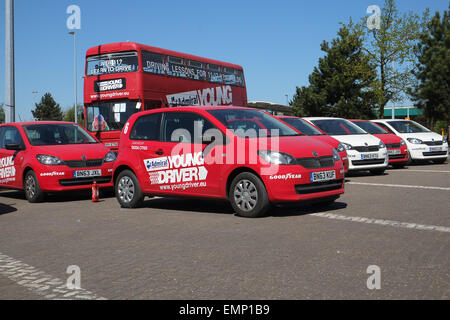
298	146
327	139
388	138
73	152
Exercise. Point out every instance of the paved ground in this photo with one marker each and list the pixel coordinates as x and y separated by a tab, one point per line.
196	249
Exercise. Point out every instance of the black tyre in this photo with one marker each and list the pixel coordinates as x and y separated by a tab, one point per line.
377	172
33	191
440	161
128	191
248	196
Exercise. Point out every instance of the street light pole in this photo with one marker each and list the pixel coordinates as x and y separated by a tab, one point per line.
75	73
10	94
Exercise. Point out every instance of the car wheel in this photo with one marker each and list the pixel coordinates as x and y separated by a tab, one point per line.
248	196
377	171
33	191
128	191
440	161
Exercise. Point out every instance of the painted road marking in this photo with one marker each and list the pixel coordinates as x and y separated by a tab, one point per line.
411	170
397	224
397	186
41	283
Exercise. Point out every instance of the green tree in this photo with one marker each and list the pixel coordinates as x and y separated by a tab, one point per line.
47	109
69	115
343	84
2	113
390	48
432	91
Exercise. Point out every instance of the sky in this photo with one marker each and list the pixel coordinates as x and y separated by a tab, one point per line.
277	42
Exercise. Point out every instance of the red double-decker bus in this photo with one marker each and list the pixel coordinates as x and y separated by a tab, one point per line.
124	78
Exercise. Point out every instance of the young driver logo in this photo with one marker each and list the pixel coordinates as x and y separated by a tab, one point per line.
7	169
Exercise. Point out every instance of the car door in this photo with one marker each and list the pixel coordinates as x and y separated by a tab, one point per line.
11	160
145	147
181	143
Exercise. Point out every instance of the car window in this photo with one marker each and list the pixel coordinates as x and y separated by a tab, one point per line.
146	128
385	127
181	127
10	135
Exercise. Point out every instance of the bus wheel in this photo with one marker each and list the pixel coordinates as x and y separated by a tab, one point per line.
248	196
33	191
128	192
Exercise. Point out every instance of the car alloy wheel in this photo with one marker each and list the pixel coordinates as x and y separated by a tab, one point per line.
30	187
126	189
246	195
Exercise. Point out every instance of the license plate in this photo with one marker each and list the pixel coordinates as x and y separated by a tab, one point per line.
87	173
367	156
393	152
434	149
323	176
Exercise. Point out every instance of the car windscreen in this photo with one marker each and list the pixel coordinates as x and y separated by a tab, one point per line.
252	123
110	116
338	127
370	127
408	127
57	134
302	126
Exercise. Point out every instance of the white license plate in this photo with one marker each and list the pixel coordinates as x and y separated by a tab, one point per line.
323	176
434	149
87	173
393	152
367	156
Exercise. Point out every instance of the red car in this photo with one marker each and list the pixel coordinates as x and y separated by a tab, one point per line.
397	149
308	129
243	155
50	156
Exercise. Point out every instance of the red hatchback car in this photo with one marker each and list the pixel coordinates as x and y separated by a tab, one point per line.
397	149
50	156
308	129
240	154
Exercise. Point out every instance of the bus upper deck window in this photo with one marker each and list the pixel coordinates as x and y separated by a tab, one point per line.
214	73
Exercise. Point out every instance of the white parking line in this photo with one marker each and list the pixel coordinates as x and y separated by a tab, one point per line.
412	170
397	186
40	283
397	224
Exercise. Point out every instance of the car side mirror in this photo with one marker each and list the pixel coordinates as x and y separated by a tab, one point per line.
14	147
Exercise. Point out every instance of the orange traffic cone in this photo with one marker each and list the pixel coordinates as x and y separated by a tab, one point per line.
95	196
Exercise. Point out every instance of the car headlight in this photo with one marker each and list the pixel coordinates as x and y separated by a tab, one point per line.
415	141
347	146
444	141
382	145
340	148
275	157
403	143
336	156
110	157
49	160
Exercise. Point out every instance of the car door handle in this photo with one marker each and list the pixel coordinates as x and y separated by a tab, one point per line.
159	152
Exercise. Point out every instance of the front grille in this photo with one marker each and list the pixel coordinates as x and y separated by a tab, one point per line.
84	163
84	181
436	153
318	187
367	162
433	143
367	149
397	156
316	163
393	146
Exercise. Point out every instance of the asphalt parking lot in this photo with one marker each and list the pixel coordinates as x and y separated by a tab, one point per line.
197	249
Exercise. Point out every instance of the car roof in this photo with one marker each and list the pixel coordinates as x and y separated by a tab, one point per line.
29	123
323	118
196	108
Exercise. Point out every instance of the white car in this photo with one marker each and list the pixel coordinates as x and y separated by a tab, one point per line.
365	152
422	143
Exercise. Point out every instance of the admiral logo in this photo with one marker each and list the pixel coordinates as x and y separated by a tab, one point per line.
110	85
156	164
